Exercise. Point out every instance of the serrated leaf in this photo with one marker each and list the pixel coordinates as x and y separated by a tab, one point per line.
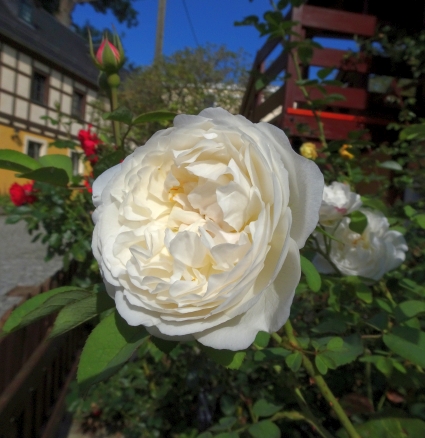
154	116
164	345
262	340
358	222
325	72
408	343
58	161
227	358
264	429
389	428
313	278
49	175
37	307
294	361
17	161
263	408
108	161
392	165
74	314
111	343
121	114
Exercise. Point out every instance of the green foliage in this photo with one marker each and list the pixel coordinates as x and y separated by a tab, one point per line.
185	82
111	343
312	276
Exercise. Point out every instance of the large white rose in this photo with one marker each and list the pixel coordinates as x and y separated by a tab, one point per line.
338	201
198	232
373	253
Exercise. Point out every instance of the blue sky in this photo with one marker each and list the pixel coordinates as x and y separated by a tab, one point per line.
212	22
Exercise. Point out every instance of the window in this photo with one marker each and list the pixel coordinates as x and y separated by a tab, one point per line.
34	149
39	88
75	158
25	10
78	105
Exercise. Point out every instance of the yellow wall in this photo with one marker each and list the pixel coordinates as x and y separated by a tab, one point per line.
11	139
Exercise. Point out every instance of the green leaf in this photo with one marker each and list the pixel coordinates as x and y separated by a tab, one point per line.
264	429
58	161
164	345
262	340
389	428
407	342
227	435
42	305
63	144
352	348
413	131
154	116
49	175
17	161
111	343
321	364
325	72
294	361
408	309
263	408
409	211
313	278
76	313
108	161
227	358
335	344
224	424
121	114
271	354
420	220
358	222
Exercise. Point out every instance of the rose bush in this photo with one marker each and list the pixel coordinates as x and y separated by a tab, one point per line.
22	194
198	232
370	254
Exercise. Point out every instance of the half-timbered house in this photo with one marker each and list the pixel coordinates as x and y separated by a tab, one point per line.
44	67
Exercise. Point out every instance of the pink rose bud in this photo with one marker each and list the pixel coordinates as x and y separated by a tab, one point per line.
110	56
100	51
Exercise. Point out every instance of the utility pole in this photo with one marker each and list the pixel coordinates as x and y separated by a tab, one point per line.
160	30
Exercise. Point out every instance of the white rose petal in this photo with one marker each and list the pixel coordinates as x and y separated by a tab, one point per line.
373	253
198	232
338	201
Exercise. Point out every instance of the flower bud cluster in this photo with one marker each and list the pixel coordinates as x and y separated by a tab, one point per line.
89	143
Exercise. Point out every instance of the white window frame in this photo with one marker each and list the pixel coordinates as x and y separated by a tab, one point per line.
43	149
80	161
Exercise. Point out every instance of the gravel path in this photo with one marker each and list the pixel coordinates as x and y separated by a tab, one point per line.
21	261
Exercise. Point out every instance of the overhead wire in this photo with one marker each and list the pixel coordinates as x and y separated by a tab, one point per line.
190	22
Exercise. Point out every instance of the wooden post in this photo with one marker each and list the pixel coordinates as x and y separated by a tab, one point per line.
160	30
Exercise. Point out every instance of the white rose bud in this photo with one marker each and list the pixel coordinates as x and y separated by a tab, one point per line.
370	254
198	232
338	201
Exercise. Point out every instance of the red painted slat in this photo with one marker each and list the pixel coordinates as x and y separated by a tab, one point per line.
338	21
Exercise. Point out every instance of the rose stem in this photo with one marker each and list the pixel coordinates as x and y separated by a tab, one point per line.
321	384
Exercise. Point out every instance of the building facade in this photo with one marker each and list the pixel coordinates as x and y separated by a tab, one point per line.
45	68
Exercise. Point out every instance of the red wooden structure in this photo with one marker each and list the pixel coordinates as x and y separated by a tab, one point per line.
286	107
35	374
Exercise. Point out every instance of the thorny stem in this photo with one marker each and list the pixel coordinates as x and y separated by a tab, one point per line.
321	384
322	138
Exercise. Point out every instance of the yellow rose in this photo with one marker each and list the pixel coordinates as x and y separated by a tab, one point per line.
344	152
308	150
